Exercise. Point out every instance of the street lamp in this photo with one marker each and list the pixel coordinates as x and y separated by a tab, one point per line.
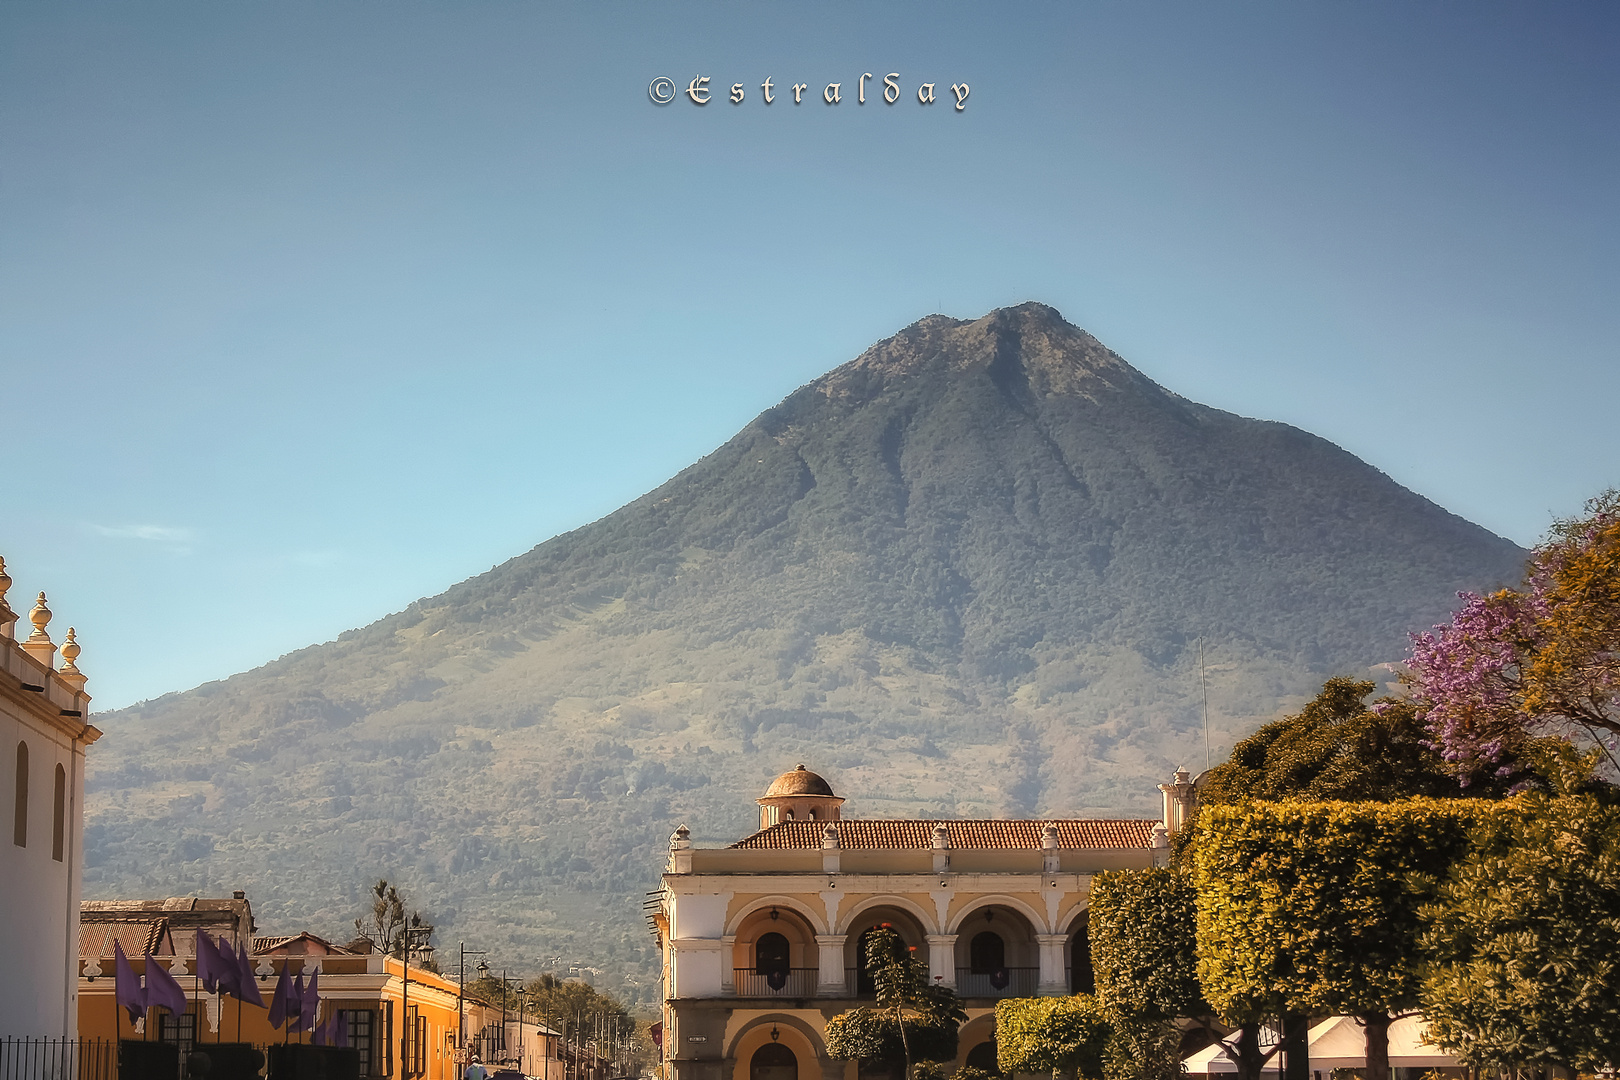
483	973
523	997
461	1001
413	938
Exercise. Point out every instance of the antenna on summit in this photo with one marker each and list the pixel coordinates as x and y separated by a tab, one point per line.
1204	685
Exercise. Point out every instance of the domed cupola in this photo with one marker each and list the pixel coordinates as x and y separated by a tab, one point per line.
800	795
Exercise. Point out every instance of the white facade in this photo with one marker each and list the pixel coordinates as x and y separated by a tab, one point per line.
43	737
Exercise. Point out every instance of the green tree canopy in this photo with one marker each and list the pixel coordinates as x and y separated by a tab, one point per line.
1144	950
1336	747
1144	944
1315	907
915	1020
1525	939
1057	1035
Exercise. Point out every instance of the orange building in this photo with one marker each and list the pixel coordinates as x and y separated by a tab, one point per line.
415	1030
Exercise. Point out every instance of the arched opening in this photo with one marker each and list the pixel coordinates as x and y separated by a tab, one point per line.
859	927
59	815
983	1057
19	817
996	954
775	955
773	1061
1082	980
864	984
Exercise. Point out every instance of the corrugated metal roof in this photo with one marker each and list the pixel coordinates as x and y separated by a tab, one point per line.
1073	834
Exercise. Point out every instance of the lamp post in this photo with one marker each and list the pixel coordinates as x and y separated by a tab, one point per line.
461	1001
413	938
483	971
522	996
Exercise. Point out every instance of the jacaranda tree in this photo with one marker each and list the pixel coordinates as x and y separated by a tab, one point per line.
1517	667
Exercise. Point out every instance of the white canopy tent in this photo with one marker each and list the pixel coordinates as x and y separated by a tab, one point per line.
1336	1043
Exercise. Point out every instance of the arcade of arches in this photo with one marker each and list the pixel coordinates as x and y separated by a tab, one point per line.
764	940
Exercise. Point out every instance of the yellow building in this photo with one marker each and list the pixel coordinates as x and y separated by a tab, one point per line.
762	940
402	1033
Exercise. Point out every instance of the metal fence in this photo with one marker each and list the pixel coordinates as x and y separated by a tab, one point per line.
1003	982
785	982
58	1059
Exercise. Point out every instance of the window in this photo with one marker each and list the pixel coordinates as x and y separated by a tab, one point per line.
19	819
773	1061
180	1030
771	954
416	1042
987	953
59	815
360	1027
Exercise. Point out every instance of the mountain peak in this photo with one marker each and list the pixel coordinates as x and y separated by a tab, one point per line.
1029	346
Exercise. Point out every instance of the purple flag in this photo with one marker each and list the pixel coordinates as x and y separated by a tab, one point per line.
161	989
311	1000
127	986
208	962
230	976
282	998
247	981
295	1005
339	1035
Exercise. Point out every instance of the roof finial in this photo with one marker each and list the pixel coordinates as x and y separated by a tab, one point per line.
41	618
7	616
39	644
69	671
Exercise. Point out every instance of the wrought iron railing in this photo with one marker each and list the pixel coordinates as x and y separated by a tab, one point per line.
58	1059
782	982
1003	982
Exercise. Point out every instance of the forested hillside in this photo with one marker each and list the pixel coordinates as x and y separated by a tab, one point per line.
965	573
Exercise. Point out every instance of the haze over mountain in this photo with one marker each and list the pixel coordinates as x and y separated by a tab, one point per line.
965	573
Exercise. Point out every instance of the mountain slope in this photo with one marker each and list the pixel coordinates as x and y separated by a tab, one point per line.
963	573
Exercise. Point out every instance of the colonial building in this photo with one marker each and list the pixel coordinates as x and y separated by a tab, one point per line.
762	940
402	1033
44	737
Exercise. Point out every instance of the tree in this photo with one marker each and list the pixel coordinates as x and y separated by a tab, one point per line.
1064	1036
1336	747
1315	907
385	925
1144	951
1522	666
1525	940
915	1020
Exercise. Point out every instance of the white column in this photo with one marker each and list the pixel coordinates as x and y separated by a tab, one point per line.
728	964
942	959
1054	981
830	979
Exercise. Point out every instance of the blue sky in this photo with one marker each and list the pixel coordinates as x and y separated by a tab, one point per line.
310	310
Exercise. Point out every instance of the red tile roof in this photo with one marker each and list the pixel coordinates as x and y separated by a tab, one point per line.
1073	834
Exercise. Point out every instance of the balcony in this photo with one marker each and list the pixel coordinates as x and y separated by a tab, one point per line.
1003	982
782	983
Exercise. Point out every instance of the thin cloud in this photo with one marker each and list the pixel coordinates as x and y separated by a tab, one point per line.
159	534
172	540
